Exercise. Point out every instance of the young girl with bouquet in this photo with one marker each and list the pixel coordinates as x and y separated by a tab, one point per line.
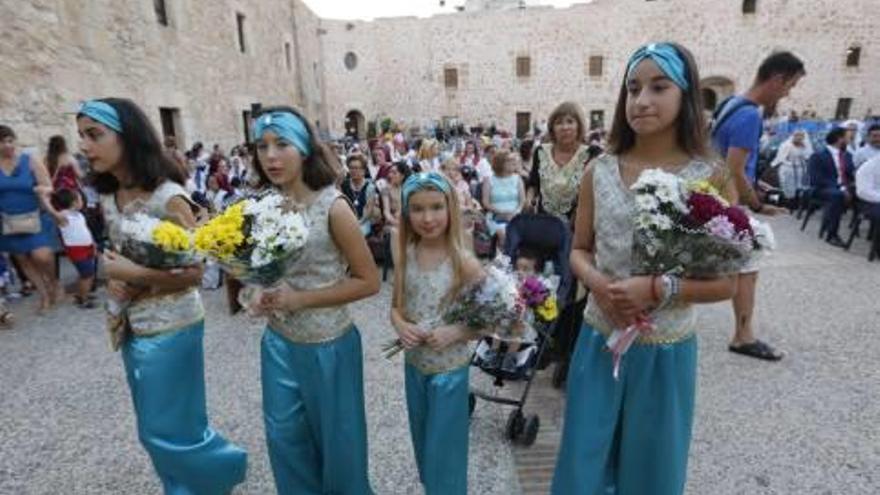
631	435
312	361
431	270
160	330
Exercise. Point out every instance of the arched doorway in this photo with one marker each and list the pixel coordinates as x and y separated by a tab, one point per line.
354	124
715	90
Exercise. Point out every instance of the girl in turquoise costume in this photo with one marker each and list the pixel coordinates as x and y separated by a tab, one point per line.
162	347
312	362
430	269
631	436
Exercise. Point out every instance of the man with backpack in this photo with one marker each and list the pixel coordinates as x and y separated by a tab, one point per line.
736	134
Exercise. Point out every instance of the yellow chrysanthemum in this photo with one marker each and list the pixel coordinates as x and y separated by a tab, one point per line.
222	236
705	187
548	311
171	237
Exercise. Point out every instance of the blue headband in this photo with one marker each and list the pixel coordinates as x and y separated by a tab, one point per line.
287	126
101	112
421	182
666	57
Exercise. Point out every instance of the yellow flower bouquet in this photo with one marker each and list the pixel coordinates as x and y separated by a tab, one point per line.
155	243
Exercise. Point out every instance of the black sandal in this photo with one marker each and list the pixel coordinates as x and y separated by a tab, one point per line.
757	350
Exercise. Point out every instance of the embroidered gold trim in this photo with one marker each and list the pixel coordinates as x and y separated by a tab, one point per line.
167	329
292	336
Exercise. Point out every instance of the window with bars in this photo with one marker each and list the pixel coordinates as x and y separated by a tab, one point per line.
450	77
596	62
750	6
523	66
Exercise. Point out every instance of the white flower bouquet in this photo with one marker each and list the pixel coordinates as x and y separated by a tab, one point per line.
494	302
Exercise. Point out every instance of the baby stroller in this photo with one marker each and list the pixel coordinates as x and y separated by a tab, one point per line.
548	236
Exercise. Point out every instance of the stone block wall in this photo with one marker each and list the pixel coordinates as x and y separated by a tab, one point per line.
401	61
56	53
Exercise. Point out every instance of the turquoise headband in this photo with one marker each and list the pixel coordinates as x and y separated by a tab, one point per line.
102	112
666	57
287	126
421	182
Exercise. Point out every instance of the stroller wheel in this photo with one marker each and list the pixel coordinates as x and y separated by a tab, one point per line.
472	404
515	424
530	432
560	374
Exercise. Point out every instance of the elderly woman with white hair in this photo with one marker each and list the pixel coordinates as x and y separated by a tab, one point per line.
791	160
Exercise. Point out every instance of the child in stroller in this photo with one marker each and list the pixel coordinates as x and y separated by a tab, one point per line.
512	355
536	243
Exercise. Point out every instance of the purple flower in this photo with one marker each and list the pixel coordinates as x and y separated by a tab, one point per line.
533	291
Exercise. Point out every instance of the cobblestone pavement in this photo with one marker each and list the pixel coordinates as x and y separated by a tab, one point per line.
67	424
806	425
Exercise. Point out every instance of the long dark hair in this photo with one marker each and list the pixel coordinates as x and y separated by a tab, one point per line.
691	126
319	170
148	164
57	147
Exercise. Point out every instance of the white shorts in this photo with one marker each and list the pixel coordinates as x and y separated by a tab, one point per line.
754	263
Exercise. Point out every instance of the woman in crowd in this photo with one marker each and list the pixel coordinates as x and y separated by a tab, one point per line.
792	162
631	436
381	165
175	154
28	218
391	195
361	191
429	155
470	207
558	165
62	166
503	194
470	157
238	165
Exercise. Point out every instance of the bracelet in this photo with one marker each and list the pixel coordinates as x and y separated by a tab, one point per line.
671	289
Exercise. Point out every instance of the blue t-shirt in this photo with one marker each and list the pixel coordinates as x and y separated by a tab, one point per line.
742	129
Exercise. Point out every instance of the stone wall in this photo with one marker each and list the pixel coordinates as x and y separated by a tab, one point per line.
401	61
56	53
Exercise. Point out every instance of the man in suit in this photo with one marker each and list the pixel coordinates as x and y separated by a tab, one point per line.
832	175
